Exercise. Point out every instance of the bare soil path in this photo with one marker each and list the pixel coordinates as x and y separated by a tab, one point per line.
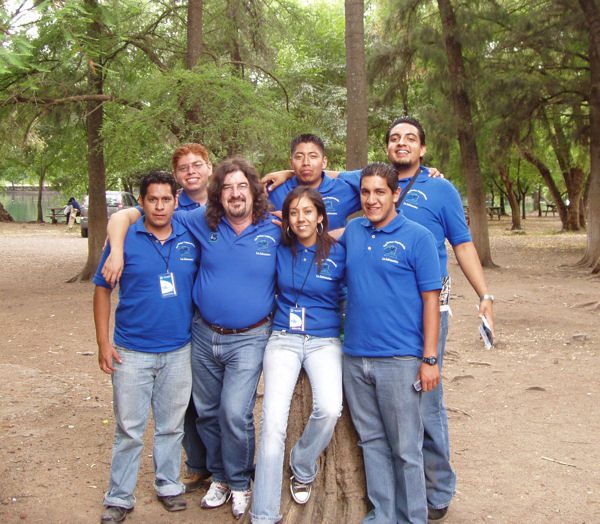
524	417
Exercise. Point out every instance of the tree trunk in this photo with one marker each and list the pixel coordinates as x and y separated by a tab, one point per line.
95	157
574	179
194	33
547	177
592	254
356	85
40	210
5	215
339	491
512	199
466	135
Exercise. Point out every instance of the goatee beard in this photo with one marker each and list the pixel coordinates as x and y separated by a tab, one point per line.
400	167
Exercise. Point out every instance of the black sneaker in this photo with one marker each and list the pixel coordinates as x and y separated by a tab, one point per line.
173	502
300	491
114	514
437	514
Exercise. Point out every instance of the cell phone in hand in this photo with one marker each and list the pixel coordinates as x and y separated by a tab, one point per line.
486	333
417	386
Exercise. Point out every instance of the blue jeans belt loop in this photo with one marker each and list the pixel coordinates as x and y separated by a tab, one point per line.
226	331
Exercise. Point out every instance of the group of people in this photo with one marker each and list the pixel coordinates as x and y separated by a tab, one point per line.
214	291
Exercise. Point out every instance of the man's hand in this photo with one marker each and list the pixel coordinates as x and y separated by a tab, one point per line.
106	352
429	376
486	307
434	173
277	219
276	178
113	268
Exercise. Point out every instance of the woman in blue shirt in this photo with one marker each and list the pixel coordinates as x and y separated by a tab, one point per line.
306	327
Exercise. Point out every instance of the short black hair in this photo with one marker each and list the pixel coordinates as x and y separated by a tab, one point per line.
306	137
383	170
157	177
406	120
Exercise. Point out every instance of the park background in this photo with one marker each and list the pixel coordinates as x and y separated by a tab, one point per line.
94	93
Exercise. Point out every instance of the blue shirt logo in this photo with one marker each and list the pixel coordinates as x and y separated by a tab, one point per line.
390	251
325	269
185	250
213	237
412	197
264	245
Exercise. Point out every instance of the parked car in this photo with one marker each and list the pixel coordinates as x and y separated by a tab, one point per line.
115	200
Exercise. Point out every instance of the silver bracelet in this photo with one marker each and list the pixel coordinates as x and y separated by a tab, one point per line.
486	297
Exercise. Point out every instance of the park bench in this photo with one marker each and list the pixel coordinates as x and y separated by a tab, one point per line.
56	213
494	210
548	206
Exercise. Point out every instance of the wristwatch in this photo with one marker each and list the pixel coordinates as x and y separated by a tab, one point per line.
432	361
486	297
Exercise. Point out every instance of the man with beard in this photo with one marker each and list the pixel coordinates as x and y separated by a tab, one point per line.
234	296
434	203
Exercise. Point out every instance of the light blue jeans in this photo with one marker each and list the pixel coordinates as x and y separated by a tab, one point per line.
160	380
195	450
286	354
440	479
225	371
385	411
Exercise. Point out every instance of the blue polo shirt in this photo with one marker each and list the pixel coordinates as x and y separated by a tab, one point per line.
185	203
434	203
235	286
340	198
387	269
319	294
145	320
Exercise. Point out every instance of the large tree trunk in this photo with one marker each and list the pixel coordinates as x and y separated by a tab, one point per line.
356	85
466	135
96	168
5	215
40	210
339	491
194	33
512	198
592	254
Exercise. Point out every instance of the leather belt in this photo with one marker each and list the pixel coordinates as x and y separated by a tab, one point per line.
225	331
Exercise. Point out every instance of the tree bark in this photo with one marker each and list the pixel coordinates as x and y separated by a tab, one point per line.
512	198
5	215
356	85
339	491
95	157
592	254
466	135
194	33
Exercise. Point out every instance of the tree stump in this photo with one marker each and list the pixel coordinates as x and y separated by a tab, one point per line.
339	492
5	215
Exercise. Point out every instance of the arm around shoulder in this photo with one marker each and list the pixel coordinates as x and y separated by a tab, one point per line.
106	351
116	229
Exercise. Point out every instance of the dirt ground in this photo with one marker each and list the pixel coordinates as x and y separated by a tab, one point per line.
524	417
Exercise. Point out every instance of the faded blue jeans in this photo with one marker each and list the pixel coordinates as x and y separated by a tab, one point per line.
160	380
226	370
286	354
440	479
385	411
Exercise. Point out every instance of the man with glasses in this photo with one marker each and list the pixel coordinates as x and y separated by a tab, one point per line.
192	169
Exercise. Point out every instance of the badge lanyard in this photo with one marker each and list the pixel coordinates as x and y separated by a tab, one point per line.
166	280
407	189
298	314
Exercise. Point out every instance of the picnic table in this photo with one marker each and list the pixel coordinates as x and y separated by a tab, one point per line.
56	213
550	206
494	210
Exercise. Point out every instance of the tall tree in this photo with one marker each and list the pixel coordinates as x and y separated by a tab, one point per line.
592	255
466	134
356	83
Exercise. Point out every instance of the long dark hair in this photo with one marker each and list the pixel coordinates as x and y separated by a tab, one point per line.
324	240
214	208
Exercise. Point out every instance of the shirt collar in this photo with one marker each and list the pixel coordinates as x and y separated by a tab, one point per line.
140	227
421	175
185	201
395	224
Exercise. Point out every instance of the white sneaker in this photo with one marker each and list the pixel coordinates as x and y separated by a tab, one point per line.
239	502
216	496
300	491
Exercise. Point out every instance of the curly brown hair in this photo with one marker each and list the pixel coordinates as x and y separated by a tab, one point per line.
214	209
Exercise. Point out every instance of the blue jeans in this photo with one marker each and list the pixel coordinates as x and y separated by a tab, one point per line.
195	449
385	411
286	354
440	479
160	380
225	371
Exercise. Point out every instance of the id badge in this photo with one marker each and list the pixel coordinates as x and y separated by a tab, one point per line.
167	285
297	318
